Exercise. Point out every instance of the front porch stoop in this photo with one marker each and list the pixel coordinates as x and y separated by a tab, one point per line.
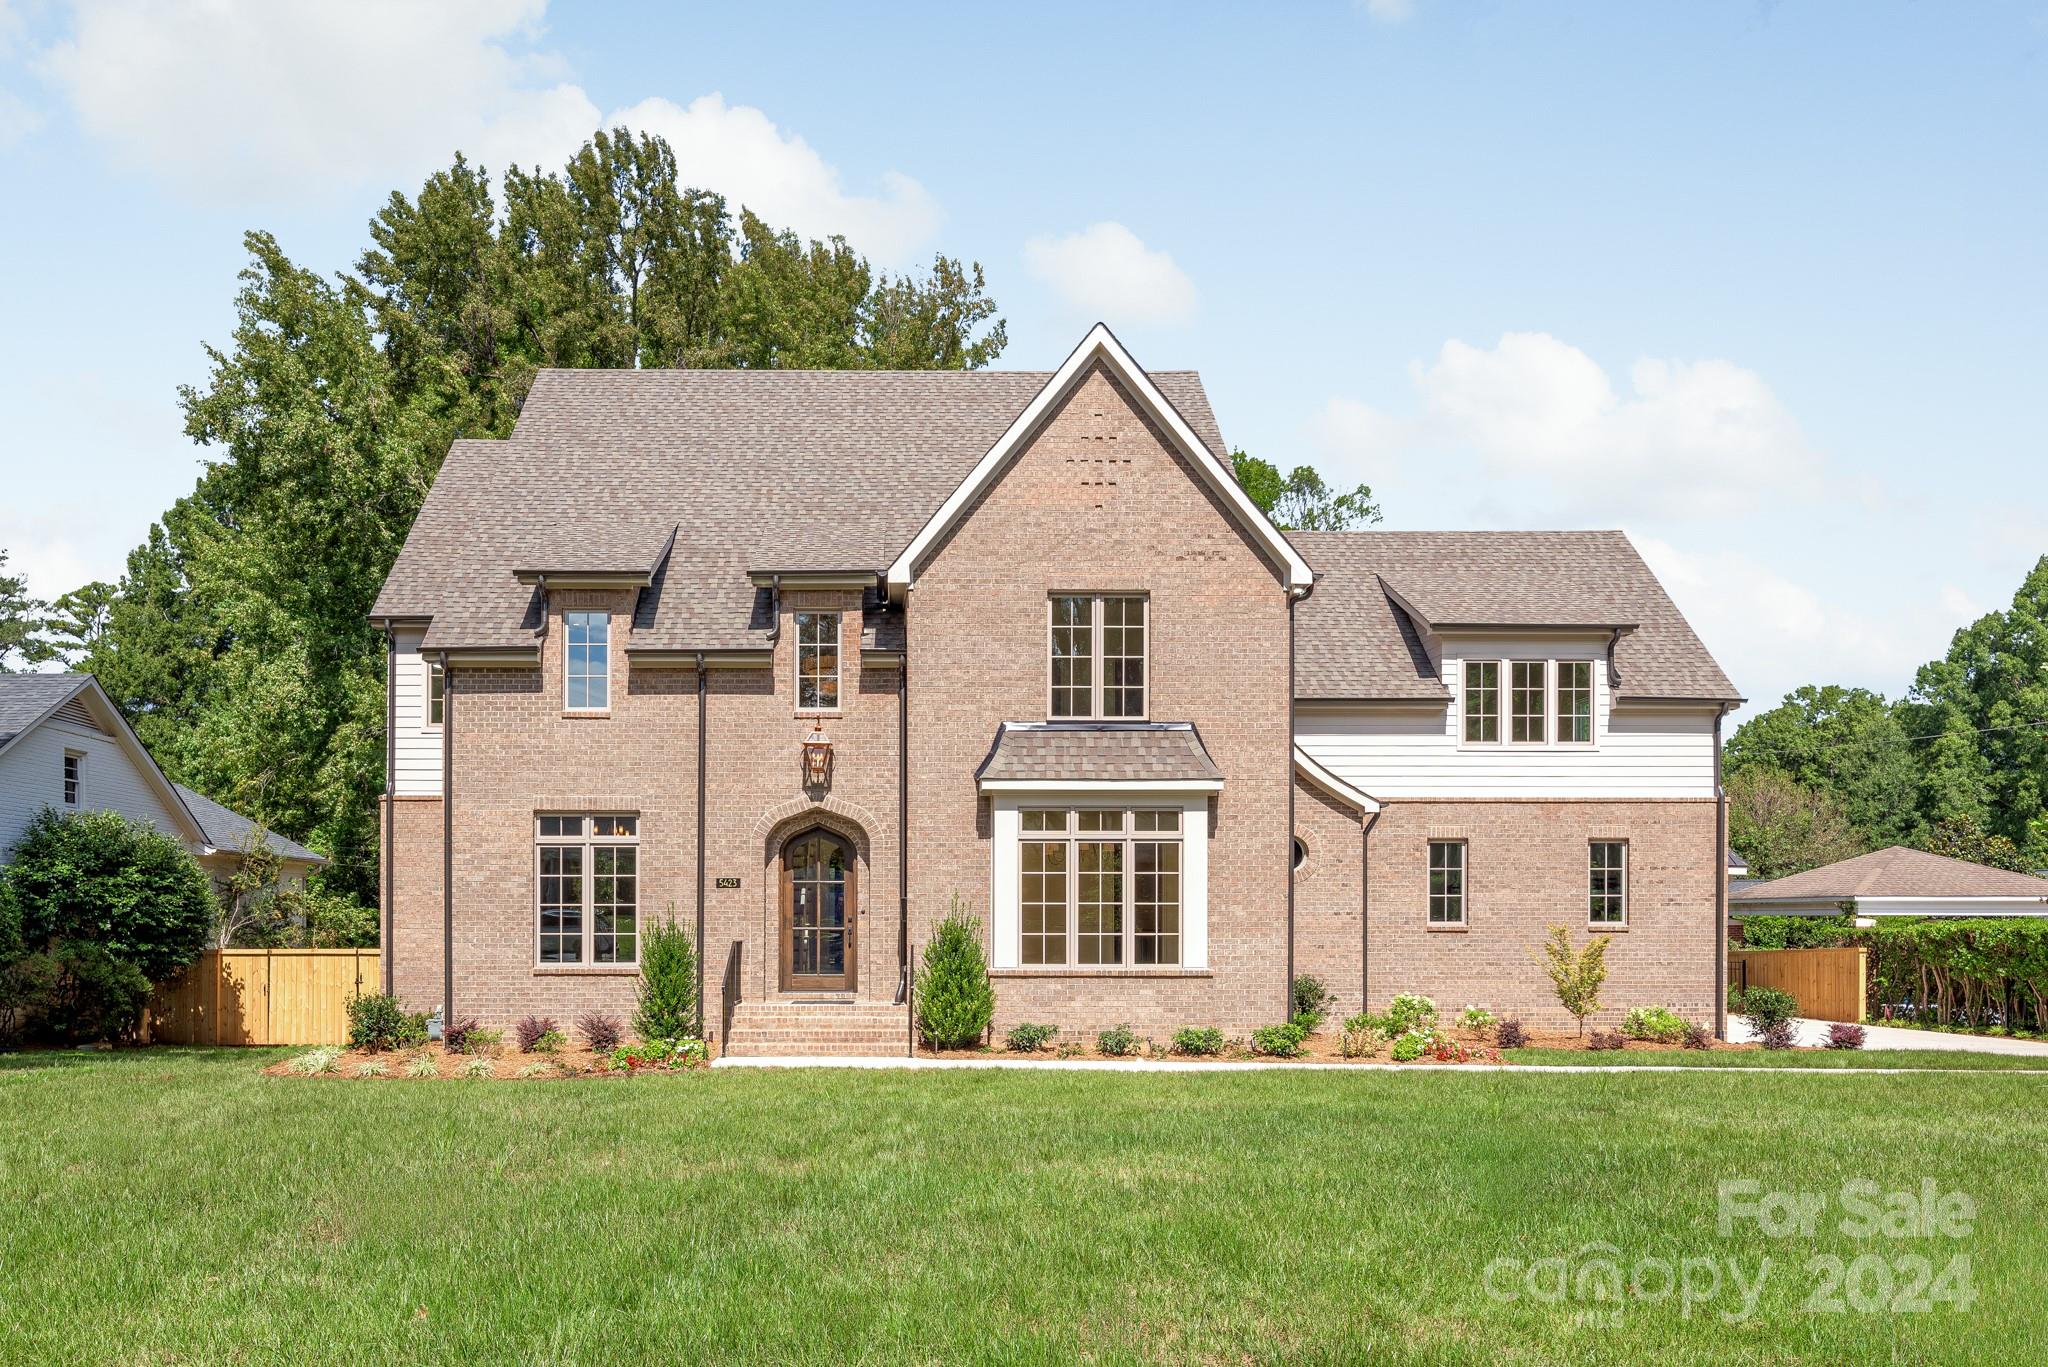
830	1027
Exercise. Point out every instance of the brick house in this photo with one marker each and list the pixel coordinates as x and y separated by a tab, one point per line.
803	659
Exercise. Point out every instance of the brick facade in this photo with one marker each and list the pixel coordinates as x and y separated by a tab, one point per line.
415	891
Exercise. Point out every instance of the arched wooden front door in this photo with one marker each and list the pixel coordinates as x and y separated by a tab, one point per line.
817	913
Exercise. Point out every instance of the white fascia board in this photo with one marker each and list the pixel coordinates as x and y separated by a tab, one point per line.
1101	344
1305	764
1100	785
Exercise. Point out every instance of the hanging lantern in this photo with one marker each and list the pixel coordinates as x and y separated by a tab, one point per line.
817	756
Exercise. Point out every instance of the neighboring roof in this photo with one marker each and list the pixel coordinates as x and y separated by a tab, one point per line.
26	699
1098	752
1896	872
227	830
790	469
1736	863
1355	641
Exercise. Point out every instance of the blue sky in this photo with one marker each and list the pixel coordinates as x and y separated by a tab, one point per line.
1764	285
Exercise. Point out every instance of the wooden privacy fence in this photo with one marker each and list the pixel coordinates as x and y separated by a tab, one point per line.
1829	984
263	996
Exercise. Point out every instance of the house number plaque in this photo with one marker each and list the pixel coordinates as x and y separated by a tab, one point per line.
724	883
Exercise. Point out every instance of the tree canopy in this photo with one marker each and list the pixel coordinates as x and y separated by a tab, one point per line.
238	640
1300	500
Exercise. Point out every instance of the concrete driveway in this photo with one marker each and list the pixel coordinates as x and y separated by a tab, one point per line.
1891	1037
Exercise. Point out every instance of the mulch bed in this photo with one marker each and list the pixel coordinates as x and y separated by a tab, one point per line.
506	1067
1324	1047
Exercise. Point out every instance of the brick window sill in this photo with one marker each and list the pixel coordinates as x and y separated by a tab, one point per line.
1448	930
1599	928
586	715
586	970
1063	971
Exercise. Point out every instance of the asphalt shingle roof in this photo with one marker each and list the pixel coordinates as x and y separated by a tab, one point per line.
1896	872
786	470
1098	752
1353	640
24	698
226	830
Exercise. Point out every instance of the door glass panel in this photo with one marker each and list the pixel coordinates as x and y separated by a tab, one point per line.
817	908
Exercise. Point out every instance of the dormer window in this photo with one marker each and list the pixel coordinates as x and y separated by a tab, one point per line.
587	674
1526	702
1482	701
1575	702
1098	656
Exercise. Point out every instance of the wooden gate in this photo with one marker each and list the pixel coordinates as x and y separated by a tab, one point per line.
263	996
1828	984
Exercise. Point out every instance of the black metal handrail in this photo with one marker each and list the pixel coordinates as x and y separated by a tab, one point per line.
732	995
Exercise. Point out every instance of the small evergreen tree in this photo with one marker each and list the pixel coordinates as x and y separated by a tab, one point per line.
668	984
1576	976
955	1003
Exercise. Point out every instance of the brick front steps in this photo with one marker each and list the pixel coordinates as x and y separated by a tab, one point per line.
831	1027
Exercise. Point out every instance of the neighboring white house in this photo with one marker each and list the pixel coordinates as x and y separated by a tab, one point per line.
63	744
1896	882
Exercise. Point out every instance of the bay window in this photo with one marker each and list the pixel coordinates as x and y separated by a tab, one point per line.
1099	887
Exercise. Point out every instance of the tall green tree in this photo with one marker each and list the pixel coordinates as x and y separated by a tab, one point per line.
78	619
1843	741
1300	500
21	623
1780	826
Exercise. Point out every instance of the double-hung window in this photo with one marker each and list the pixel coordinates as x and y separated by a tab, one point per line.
817	661
1100	887
1608	870
1098	648
587	875
437	692
588	675
1447	882
1526	679
1482	701
1575	702
74	778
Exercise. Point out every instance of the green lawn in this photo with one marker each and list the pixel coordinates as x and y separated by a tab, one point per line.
179	1206
1951	1059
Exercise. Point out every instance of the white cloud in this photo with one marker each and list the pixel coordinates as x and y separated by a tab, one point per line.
738	151
1106	272
263	99
1690	439
1388	11
1359	436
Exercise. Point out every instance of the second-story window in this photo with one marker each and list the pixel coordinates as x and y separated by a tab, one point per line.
1098	656
817	660
437	692
587	678
74	777
1482	700
1526	701
1575	701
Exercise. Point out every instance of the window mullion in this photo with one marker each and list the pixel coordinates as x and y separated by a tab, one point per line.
1095	669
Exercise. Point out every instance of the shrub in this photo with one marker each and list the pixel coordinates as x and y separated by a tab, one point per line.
1576	977
1027	1038
1779	1035
90	992
479	1067
455	1038
601	1031
1842	1035
668	984
123	885
376	1022
1198	1041
422	1064
1410	1011
551	1042
373	1068
1279	1041
1653	1023
660	1054
314	1062
1363	1036
1067	1050
1118	1042
1797	932
1512	1034
535	1069
527	1034
484	1043
1764	1007
1698	1035
955	1004
1408	1047
1606	1039
1477	1019
1311	1001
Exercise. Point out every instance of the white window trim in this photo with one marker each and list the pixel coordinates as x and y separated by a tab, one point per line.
590	843
1006	918
838	662
1464	883
79	804
431	667
1504	704
1627	867
1557	737
567	706
1095	661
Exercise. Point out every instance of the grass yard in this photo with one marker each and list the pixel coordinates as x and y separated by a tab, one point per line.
1954	1059
177	1205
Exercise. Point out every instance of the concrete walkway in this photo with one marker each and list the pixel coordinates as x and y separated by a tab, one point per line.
1147	1065
1891	1037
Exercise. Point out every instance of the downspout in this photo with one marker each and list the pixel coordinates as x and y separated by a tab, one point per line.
903	798
1287	1009
390	791
1365	911
447	844
701	691
1720	939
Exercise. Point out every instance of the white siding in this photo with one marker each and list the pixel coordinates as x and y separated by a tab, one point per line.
416	745
1636	752
32	777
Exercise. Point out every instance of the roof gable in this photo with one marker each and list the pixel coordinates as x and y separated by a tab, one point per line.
1897	871
19	715
1101	347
